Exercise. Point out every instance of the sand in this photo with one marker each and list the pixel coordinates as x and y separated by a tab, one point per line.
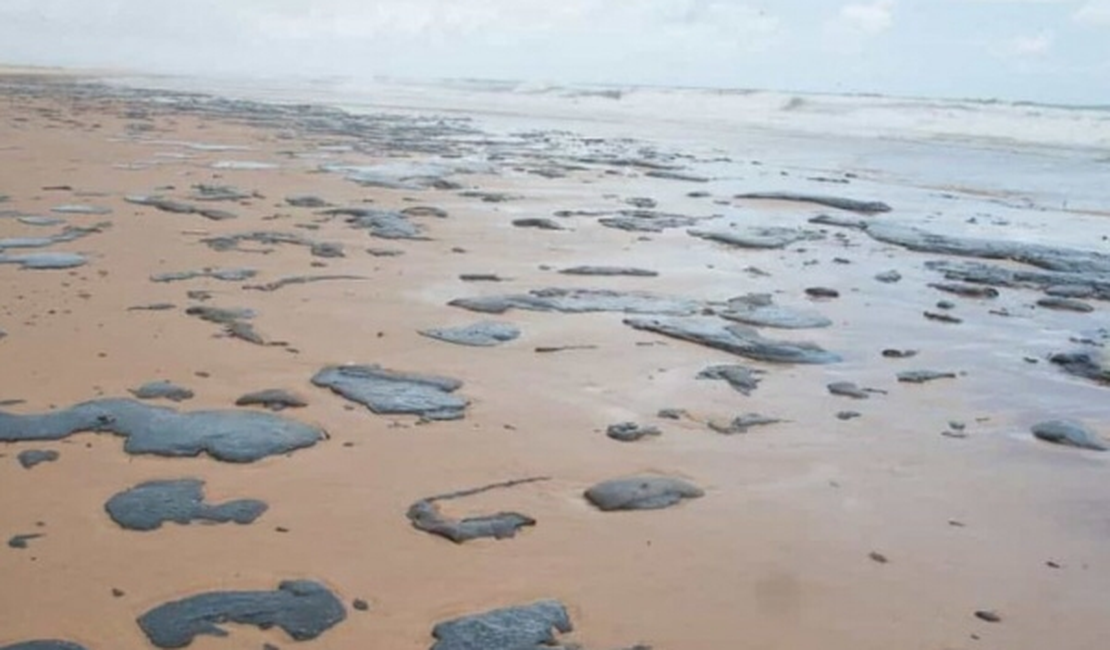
776	554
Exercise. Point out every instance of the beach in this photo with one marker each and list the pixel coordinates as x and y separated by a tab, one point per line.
234	240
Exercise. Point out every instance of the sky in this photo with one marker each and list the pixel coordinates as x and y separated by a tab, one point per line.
1052	51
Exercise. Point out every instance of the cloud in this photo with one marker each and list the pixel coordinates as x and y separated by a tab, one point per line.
1094	13
389	18
648	40
848	32
803	44
1038	45
1020	2
870	19
451	18
1024	47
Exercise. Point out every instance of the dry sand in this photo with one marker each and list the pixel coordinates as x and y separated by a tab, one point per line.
776	554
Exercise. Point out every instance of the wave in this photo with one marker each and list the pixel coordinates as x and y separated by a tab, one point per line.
990	122
986	120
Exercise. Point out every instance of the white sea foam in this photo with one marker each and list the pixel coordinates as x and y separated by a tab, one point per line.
1023	155
857	116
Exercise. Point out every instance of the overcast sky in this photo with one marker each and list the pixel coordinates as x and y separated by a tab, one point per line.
1042	50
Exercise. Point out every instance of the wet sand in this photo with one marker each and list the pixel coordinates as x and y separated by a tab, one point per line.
776	554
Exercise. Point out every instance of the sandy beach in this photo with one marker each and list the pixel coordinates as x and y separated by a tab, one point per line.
882	513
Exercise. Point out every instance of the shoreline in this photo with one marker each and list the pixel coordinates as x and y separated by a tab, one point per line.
777	553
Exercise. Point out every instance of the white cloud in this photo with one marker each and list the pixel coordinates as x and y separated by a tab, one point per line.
1095	13
1032	45
451	18
1028	46
849	31
664	31
874	18
1020	2
310	18
648	41
814	44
